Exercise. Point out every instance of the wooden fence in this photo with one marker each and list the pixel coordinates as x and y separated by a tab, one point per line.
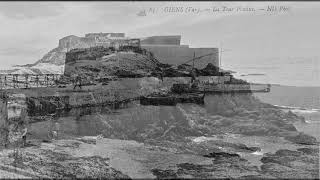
13	81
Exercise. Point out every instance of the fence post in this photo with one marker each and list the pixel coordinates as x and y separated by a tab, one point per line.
5	81
3	119
27	80
47	80
13	83
1	83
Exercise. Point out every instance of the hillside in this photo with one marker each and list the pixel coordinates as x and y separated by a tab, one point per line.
126	62
119	64
57	55
100	61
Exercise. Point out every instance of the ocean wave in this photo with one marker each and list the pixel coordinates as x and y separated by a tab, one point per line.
299	109
305	111
308	122
199	139
258	153
253	74
202	139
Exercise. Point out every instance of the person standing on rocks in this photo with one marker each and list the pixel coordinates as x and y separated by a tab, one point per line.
78	82
55	132
24	136
193	75
194	81
160	75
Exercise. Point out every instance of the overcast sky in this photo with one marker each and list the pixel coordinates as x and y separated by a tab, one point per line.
31	29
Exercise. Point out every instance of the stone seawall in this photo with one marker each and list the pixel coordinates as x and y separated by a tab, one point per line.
41	106
45	102
16	110
46	105
13	120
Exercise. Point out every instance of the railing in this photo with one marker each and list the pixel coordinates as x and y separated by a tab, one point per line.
16	81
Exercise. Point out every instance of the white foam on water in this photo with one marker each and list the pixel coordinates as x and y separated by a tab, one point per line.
299	109
304	111
200	139
258	153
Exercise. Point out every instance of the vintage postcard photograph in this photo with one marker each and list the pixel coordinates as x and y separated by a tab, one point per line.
159	90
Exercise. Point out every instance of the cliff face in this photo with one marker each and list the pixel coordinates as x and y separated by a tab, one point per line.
57	56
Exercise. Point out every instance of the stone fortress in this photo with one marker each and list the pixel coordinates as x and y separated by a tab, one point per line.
167	49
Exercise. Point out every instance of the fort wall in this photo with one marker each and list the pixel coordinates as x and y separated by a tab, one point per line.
162	40
93	35
180	54
167	49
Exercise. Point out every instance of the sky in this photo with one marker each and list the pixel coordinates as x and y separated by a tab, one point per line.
31	29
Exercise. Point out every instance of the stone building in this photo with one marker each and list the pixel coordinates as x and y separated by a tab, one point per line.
167	49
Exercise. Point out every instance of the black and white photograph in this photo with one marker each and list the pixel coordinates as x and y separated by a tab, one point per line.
159	89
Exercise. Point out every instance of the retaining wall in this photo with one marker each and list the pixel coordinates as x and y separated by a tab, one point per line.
14	120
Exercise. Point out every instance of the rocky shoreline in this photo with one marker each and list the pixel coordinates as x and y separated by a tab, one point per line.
231	136
113	158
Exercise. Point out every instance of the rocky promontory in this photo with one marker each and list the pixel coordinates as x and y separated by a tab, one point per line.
233	135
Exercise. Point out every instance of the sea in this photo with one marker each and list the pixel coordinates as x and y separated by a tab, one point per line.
295	85
289	71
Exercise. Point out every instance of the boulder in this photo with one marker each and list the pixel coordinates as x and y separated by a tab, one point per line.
310	151
302	139
220	155
302	164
